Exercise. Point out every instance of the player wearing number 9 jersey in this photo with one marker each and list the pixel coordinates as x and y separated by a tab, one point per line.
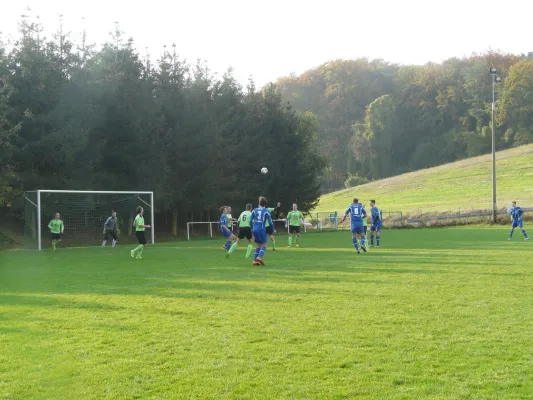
245	231
357	213
258	219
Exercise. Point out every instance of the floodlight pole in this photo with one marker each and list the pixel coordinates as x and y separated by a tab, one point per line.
494	205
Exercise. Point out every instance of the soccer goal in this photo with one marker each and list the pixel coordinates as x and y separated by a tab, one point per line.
84	213
212	228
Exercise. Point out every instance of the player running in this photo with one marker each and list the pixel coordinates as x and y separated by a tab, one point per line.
270	228
376	223
57	228
140	227
258	218
245	231
516	214
357	214
224	229
295	218
110	229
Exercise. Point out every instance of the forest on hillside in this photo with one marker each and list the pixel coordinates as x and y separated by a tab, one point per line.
74	116
379	119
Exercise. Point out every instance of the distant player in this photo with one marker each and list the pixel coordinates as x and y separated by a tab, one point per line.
140	227
224	229
57	228
230	218
365	224
259	217
357	213
110	229
295	218
375	215
245	231
270	228
516	215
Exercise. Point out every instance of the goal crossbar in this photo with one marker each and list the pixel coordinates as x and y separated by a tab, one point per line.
131	192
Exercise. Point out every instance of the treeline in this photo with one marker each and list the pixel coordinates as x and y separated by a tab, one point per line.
379	119
72	117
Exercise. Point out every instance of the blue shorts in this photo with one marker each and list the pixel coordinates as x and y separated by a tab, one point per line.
260	236
227	232
359	228
375	227
518	224
270	230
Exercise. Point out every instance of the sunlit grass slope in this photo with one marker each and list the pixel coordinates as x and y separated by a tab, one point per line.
460	185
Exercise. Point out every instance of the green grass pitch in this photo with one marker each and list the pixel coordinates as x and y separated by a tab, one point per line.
433	314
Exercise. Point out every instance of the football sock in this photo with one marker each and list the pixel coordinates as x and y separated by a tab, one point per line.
372	240
232	248
262	252
256	254
249	250
140	250
355	244
290	241
363	241
274	244
511	235
114	243
377	239
525	233
103	243
137	249
228	245
54	244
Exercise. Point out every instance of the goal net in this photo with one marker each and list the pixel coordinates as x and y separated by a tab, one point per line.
84	214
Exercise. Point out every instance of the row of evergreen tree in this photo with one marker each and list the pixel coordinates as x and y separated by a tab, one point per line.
73	117
379	119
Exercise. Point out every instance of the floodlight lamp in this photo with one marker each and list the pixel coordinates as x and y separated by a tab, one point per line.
498	79
492	70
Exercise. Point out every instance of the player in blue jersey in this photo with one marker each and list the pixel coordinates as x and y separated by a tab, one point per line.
516	214
259	218
230	237
375	228
357	213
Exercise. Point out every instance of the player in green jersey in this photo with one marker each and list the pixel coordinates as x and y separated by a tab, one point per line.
139	232
270	229
230	218
245	231
57	228
294	218
365	224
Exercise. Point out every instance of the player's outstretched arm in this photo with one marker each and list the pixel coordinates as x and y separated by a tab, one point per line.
269	219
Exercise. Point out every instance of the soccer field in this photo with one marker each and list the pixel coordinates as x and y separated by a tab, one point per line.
433	314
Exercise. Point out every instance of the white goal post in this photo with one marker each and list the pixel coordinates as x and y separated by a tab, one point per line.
211	228
84	212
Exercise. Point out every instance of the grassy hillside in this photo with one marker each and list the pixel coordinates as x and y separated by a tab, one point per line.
462	185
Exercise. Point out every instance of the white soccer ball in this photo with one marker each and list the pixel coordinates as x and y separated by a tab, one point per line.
264	171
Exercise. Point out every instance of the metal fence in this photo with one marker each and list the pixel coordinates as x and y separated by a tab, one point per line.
332	221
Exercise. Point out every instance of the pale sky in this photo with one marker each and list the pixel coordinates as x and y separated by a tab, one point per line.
269	39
